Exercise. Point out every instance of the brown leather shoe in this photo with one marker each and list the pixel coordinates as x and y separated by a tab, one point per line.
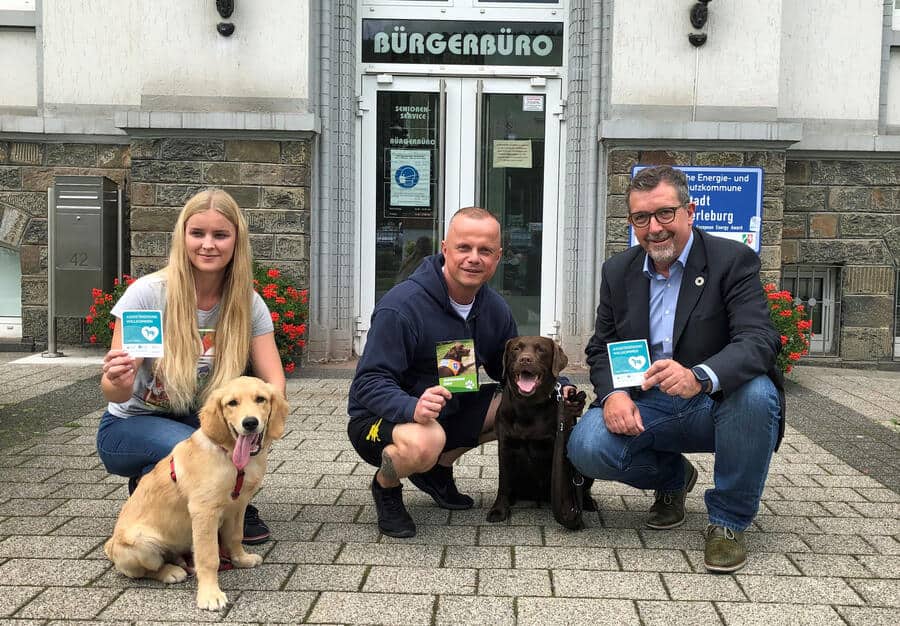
668	509
725	550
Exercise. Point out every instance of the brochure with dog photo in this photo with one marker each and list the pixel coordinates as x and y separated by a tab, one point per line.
456	365
628	360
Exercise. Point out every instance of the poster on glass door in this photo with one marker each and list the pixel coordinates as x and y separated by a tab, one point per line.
410	178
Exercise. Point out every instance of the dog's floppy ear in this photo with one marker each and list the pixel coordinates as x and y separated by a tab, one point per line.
506	356
212	420
278	412
560	360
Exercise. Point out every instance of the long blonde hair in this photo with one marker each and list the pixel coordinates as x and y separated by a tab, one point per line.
178	365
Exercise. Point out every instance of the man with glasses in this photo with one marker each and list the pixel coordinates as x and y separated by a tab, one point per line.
712	385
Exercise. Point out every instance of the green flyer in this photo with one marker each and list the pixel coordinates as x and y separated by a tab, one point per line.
456	365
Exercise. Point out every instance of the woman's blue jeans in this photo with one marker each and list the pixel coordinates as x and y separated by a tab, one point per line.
132	446
741	430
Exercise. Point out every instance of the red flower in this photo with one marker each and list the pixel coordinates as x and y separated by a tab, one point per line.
289	314
96	292
301	343
769	287
273	273
93	310
289	367
93	338
302	329
280	300
788	369
794	356
786	313
275	316
304	296
112	325
784	340
89	319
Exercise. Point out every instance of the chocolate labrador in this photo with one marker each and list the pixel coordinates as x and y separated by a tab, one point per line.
527	423
456	353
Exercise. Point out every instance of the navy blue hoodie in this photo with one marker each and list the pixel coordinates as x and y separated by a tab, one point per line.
400	361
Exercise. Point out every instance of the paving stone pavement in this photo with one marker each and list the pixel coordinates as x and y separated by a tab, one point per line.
825	548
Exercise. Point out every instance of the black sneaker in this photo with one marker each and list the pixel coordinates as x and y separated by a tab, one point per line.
393	518
255	530
668	509
438	483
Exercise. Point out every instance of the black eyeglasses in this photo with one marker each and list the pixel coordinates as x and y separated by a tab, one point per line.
665	215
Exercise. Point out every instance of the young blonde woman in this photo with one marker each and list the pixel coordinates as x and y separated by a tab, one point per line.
214	326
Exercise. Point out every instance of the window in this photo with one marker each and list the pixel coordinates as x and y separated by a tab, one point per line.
816	288
895	18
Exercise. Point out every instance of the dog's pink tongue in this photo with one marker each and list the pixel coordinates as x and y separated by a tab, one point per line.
241	455
526	383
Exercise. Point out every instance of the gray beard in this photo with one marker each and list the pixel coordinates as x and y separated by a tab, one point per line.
664	257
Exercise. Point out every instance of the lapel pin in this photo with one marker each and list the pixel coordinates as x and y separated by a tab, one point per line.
699	281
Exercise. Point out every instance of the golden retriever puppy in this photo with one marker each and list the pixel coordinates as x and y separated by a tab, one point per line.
196	496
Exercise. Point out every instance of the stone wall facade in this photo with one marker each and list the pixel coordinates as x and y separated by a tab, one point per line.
269	179
846	213
772	162
27	169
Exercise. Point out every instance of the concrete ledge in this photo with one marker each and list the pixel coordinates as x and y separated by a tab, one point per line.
74	128
151	122
785	133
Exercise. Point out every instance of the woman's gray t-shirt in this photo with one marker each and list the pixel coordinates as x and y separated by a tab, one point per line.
149	293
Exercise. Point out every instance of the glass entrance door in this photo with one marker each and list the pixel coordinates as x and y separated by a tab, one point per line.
433	145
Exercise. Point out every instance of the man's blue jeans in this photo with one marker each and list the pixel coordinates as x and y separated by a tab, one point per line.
741	430
132	446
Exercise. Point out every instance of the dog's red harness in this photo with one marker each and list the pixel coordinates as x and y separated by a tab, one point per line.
238	482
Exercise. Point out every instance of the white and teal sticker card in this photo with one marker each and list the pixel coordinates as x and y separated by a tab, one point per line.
142	334
628	360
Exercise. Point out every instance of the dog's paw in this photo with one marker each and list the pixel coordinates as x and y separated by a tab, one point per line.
498	514
247	560
211	599
171	574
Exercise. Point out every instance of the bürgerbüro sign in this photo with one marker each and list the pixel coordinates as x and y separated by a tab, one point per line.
462	42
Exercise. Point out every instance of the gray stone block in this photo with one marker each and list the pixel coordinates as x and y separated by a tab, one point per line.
35	204
176	195
659	613
295	175
721	159
278	222
253	151
326	578
454	610
359	608
158	219
804	199
797	172
10	177
295	153
221	173
150	243
295	198
865	225
664	157
141	266
4	151
260	174
759	614
794	226
567	611
867	310
180	149
166	171
621	161
866	251
400	580
145	148
35	232
114	156
866	344
771	162
74	154
12	225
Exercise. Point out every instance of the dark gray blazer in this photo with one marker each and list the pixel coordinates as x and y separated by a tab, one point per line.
722	322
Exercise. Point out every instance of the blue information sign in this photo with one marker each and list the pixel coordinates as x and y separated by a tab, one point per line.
727	200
